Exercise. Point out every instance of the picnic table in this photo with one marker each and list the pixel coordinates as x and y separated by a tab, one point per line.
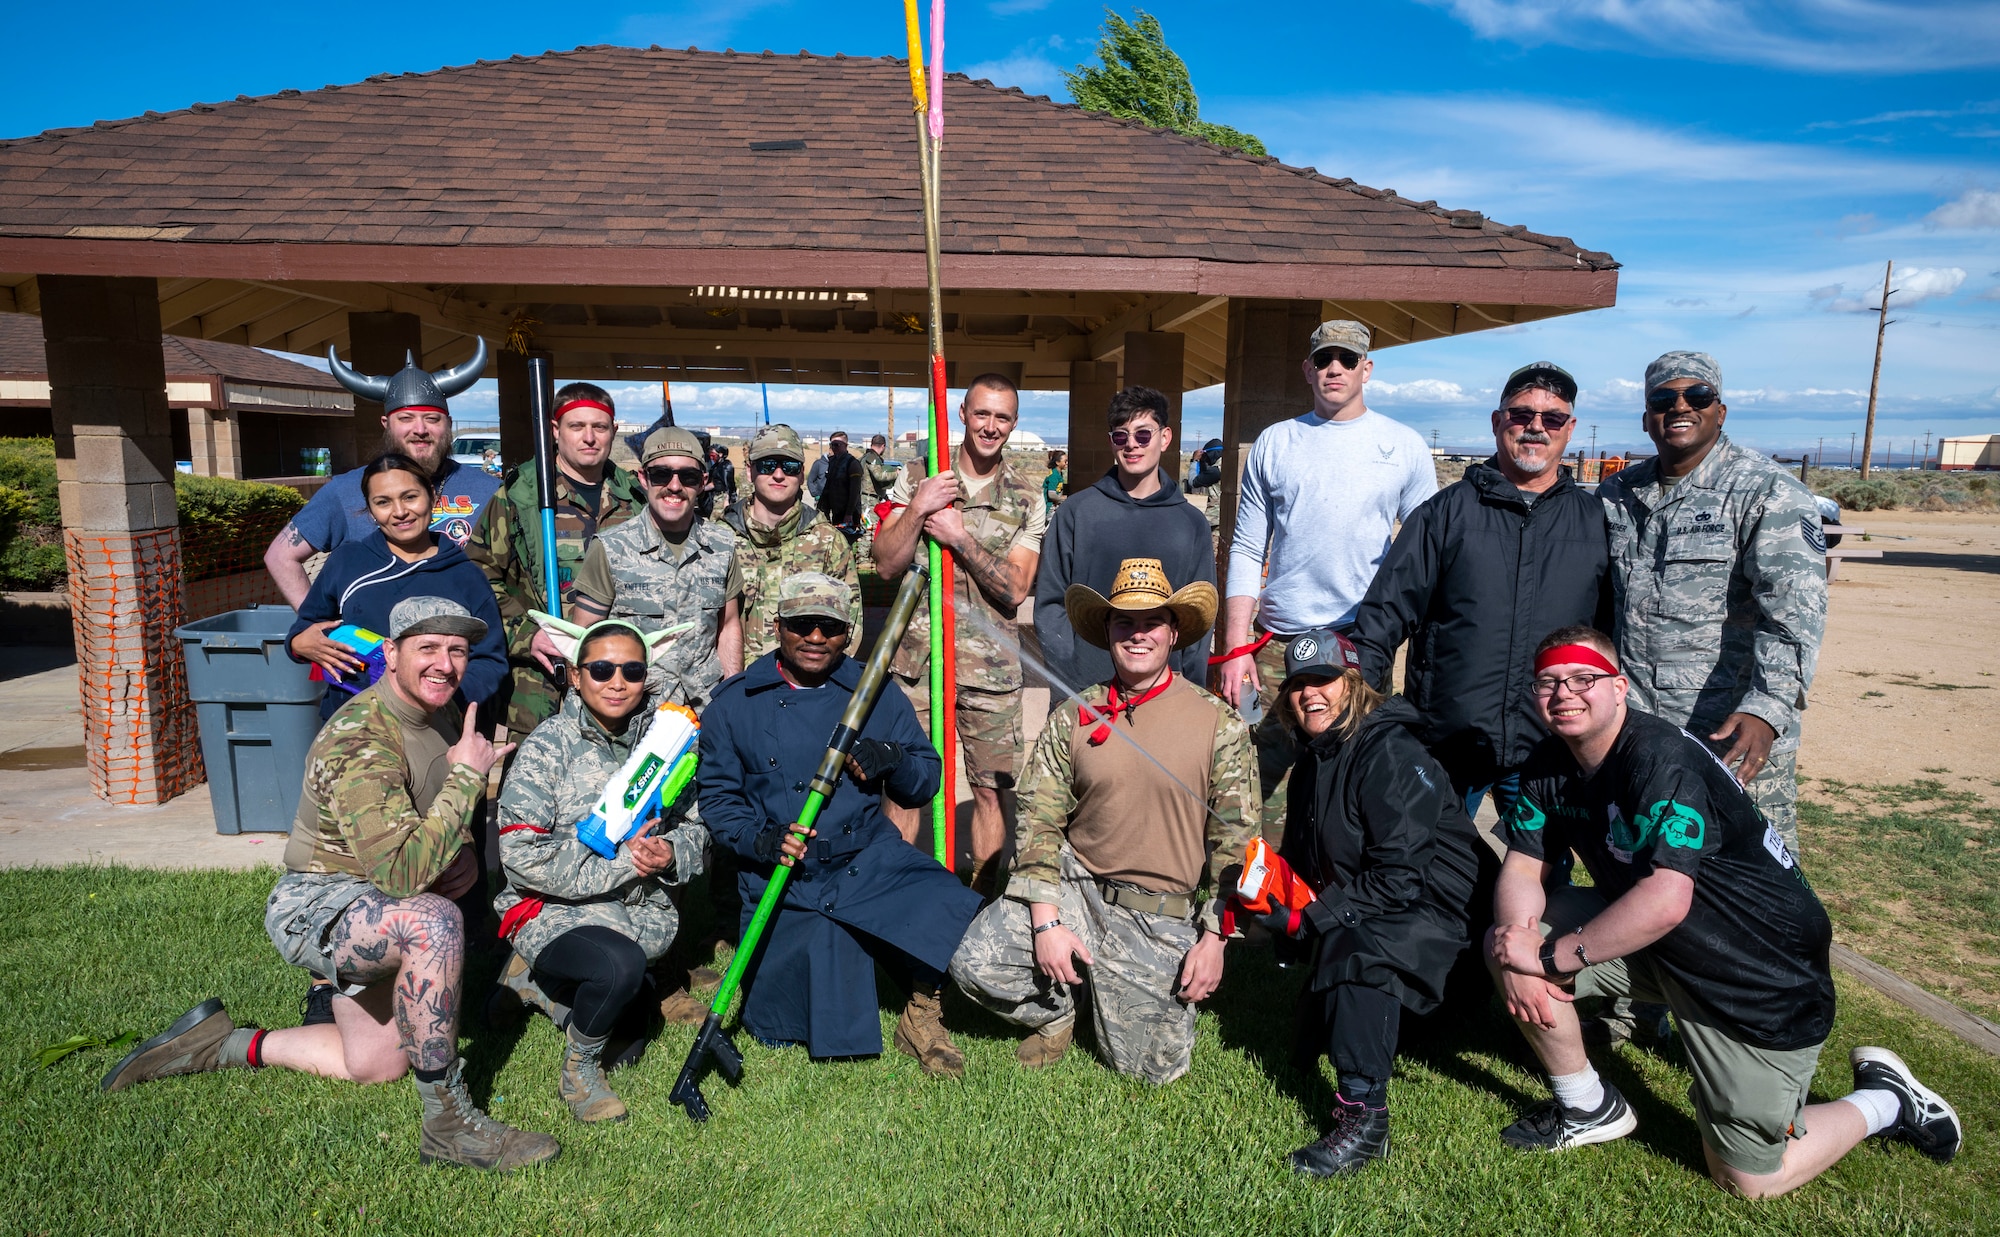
1835	553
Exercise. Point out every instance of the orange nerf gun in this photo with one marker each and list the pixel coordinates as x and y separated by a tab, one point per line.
1267	883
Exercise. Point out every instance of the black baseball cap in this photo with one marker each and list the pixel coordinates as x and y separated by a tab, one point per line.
1556	375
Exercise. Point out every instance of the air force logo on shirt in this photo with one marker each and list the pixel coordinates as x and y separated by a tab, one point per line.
1388	450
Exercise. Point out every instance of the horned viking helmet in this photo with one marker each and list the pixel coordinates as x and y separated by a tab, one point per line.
411	386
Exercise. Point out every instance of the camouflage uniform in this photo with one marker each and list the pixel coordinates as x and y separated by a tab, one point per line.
1005	515
370	818
1142	1027
507	545
556	779
1720	582
878	476
802	542
630	571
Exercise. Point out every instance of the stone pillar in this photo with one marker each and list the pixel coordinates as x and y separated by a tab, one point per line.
1265	384
215	447
1091	386
378	344
1157	359
121	536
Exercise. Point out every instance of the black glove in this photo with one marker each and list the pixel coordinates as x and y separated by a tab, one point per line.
767	843
874	757
1283	921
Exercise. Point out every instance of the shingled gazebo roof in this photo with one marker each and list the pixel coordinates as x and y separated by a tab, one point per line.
691	191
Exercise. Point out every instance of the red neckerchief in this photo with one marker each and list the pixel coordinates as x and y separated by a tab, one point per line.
1113	705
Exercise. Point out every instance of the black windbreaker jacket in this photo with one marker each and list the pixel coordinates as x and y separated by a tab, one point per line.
1474	581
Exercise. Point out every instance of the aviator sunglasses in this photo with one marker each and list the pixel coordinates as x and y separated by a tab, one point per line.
774	464
1526	416
690	478
1698	396
1143	436
1348	358
803	625
601	671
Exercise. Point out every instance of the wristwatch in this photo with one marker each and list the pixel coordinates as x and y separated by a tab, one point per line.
1549	967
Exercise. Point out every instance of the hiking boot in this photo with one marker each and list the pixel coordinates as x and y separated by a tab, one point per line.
317	1008
456	1132
1551	1127
1359	1134
515	992
986	877
582	1084
920	1033
689	1005
192	1045
1926	1122
1046	1046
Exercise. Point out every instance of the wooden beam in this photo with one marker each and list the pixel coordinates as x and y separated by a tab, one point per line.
242	311
195	298
1155	313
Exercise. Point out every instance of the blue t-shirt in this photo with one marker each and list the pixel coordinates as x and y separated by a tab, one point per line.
337	514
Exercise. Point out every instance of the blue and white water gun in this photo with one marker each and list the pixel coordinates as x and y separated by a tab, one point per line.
651	781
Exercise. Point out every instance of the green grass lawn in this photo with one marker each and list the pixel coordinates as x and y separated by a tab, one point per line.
861	1146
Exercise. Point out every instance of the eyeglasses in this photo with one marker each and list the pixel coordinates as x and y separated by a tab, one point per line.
1698	396
662	478
1143	436
772	463
1526	416
803	625
601	671
1578	684
1348	358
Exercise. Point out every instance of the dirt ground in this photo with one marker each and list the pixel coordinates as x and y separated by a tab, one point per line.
1909	675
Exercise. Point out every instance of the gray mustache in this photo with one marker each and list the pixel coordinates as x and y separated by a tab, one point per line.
1535	436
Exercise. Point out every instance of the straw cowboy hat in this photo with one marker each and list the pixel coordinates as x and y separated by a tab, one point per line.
1141	584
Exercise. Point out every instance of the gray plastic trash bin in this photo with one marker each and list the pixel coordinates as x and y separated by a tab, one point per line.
258	710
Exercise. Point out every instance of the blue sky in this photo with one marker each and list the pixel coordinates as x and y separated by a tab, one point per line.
1750	164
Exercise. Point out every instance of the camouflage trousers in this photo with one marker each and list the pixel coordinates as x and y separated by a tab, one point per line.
301	913
1775	791
1142	1028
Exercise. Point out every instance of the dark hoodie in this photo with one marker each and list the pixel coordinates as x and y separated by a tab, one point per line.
362	582
1088	537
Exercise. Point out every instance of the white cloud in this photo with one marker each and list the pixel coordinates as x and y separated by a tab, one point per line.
690	23
1419	391
1828	36
1986	107
1913	285
1975	208
1032	73
1009	8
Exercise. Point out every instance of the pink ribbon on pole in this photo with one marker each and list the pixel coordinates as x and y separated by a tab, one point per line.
937	70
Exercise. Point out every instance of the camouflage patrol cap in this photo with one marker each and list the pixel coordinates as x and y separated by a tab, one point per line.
781	441
670	440
1696	365
1339	333
433	616
809	592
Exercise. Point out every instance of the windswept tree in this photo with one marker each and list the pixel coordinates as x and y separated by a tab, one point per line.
1141	77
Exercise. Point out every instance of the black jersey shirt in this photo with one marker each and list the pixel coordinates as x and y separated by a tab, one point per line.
1753	947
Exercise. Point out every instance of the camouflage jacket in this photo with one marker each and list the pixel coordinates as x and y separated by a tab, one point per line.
1008	514
360	812
641	581
878	476
801	542
1720	587
507	545
556	779
1068	777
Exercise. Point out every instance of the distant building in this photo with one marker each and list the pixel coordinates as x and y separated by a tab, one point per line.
1972	452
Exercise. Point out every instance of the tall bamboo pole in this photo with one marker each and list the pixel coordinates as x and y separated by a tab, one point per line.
1875	382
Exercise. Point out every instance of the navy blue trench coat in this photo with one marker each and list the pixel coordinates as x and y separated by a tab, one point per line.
861	893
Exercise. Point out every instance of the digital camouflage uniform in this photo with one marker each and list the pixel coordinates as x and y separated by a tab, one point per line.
361	823
630	571
1720	583
556	779
1142	1027
507	545
802	542
1007	514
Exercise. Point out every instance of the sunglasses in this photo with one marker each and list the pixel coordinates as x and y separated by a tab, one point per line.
1348	358
1143	436
803	625
1698	396
774	464
601	671
661	478
1526	417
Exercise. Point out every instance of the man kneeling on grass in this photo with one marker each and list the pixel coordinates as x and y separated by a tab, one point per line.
1698	904
381	846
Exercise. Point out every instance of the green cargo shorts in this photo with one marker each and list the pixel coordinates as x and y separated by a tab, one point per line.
1748	1101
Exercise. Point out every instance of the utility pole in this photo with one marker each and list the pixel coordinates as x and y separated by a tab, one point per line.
1593	442
1434	439
1819	456
892	423
1850	448
1875	382
1925	458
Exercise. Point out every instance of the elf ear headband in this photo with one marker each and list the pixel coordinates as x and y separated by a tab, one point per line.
1573	655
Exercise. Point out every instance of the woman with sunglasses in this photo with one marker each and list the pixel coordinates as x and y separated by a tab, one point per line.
363	580
585	928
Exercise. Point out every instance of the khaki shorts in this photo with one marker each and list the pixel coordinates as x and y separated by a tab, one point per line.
989	730
1748	1101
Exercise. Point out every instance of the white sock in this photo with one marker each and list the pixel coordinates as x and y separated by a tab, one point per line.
1582	1091
1880	1109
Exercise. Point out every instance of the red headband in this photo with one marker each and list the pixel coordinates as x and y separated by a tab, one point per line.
1573	654
573	404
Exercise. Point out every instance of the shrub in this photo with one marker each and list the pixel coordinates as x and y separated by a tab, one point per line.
1869	495
31	553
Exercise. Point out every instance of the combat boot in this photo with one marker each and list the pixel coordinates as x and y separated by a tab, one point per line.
516	990
1359	1134
688	1006
456	1132
1046	1046
582	1085
203	1039
920	1033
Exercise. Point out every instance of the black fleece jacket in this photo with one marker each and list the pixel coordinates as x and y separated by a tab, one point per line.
1093	532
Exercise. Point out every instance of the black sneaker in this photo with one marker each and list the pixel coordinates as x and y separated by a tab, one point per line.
1551	1127
1359	1134
1927	1122
317	1008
